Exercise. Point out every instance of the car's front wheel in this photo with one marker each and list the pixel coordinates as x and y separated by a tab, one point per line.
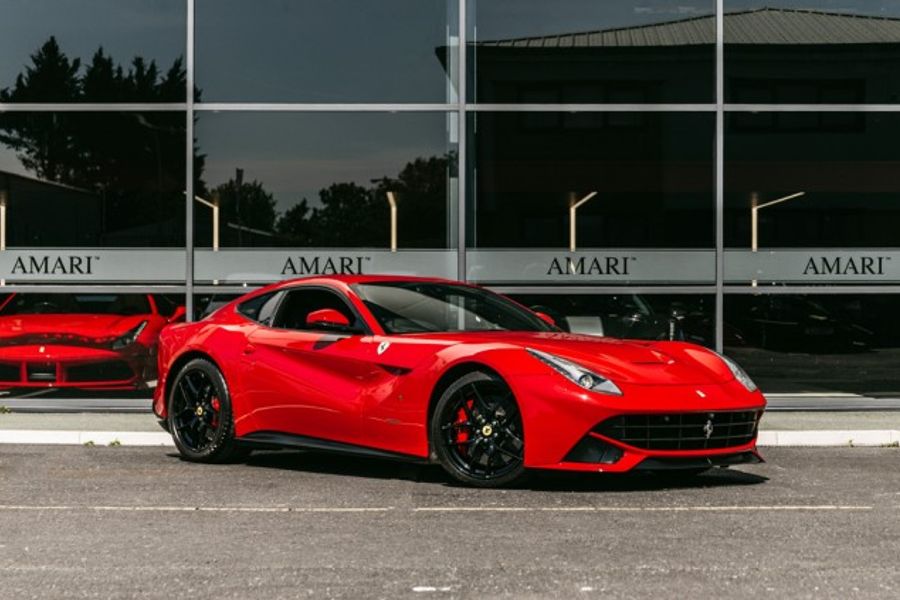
200	416
477	433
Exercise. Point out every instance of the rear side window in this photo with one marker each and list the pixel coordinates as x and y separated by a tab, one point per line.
261	308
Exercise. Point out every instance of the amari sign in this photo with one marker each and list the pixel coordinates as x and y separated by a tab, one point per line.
592	266
90	265
260	266
812	266
588	267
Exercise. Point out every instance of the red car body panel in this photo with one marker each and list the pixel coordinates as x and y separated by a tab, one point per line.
374	391
48	350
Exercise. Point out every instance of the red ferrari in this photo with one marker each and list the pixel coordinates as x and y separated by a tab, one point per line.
85	341
439	371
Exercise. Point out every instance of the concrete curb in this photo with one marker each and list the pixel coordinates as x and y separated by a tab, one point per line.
860	437
819	438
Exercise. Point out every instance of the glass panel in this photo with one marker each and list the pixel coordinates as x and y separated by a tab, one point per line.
595	196
70	344
810	204
324	193
816	345
83	195
92	51
688	317
580	51
801	52
336	51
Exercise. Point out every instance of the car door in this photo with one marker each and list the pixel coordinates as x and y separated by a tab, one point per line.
307	381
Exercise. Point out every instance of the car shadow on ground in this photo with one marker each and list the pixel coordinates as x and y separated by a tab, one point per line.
373	468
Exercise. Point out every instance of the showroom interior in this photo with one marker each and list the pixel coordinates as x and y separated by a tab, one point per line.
712	171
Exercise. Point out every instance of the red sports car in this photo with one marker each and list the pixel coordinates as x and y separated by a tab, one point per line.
85	341
440	371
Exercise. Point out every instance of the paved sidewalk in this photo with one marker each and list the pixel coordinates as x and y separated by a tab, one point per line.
778	429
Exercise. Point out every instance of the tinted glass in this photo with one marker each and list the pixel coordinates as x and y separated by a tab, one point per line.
800	52
651	176
336	51
682	317
92	50
428	307
252	308
816	345
812	198
323	179
817	179
93	179
579	51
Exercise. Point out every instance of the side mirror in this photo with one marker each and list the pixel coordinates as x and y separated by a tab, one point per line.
178	315
546	318
327	318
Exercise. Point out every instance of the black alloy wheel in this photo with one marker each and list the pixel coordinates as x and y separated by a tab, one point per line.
200	416
477	432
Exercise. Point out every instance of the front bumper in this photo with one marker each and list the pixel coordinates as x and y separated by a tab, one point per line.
566	427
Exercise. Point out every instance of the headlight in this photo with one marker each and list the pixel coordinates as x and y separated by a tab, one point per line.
739	373
577	374
128	337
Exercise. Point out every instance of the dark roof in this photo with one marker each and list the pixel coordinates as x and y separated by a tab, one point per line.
758	26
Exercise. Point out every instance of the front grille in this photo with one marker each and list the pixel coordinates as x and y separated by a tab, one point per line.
683	431
113	370
10	372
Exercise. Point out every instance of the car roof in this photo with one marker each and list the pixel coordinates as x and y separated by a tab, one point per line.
354	279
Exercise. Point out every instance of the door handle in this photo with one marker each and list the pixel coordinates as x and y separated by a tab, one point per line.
249	349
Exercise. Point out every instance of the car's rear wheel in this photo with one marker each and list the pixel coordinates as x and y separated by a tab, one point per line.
477	433
200	416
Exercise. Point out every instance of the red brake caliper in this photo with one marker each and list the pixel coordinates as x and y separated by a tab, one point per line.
215	404
462	434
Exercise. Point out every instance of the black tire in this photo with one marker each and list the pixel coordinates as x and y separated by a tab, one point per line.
200	417
476	432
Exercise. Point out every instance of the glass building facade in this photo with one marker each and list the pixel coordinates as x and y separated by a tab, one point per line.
723	172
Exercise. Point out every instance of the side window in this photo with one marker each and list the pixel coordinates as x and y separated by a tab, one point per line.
261	308
299	303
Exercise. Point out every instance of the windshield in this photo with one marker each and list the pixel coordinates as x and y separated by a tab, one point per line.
93	304
414	307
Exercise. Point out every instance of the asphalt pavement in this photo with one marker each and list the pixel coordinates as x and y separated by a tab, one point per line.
101	522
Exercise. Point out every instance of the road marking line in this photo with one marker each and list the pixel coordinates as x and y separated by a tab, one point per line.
435	509
221	509
641	509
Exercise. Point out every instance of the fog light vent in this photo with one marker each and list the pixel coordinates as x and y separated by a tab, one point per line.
593	450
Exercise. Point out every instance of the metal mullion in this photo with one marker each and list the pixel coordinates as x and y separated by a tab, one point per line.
58	288
812	289
812	108
600	289
462	192
720	176
92	107
591	107
189	167
325	107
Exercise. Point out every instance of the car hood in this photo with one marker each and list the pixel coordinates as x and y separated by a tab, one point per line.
624	361
51	328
